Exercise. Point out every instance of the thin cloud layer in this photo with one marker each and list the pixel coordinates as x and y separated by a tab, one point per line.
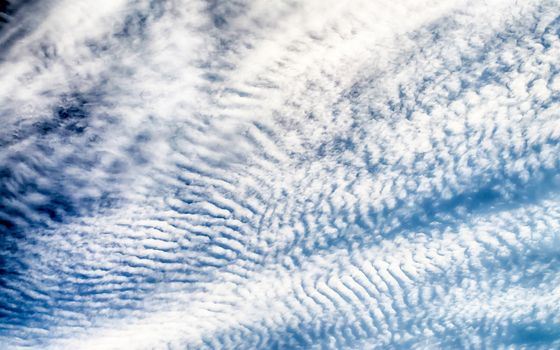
288	174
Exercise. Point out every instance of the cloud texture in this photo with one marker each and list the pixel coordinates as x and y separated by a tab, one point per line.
280	174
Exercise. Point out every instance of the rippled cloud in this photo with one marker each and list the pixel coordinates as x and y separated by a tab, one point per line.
279	174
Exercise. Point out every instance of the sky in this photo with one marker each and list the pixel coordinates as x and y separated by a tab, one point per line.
287	174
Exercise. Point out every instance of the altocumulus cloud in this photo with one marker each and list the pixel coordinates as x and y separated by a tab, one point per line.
279	174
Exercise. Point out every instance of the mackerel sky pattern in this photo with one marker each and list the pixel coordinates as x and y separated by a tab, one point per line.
287	174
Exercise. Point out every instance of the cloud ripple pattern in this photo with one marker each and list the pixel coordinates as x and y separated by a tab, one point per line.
253	174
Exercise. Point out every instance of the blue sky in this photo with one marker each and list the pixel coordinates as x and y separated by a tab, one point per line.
280	175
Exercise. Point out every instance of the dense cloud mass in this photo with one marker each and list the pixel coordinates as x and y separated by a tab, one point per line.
288	174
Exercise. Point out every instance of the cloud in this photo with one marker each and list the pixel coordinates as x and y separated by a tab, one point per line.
193	174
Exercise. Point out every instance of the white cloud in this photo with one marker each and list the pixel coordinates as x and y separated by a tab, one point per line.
348	174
